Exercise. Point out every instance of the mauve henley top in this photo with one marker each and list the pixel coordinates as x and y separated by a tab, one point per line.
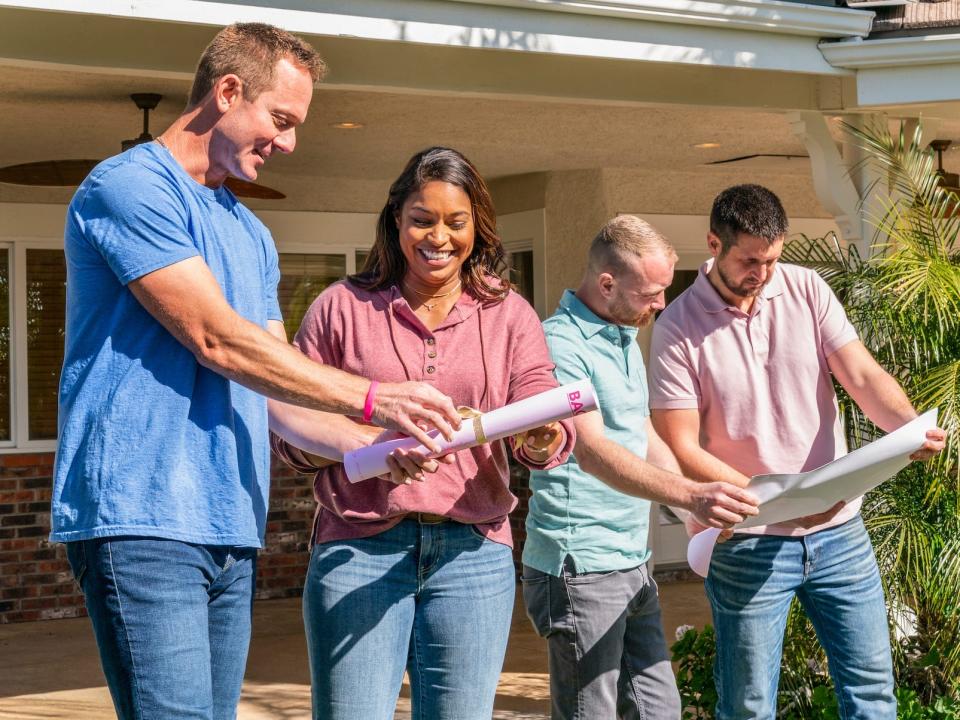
484	355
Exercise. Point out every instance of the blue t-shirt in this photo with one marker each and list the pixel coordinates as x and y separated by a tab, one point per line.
570	511
150	442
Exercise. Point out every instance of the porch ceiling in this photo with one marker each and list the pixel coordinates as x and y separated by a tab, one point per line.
54	114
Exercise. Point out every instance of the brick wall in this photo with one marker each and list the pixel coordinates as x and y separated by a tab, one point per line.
35	579
282	565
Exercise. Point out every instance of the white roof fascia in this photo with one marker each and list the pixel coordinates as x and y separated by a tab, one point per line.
904	70
893	52
788	18
758	34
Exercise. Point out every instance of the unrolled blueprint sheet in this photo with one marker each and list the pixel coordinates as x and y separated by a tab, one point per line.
790	496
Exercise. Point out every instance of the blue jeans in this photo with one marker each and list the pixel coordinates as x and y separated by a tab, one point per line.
172	622
435	600
608	656
751	583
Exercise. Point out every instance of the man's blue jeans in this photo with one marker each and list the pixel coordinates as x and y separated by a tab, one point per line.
833	572
172	621
435	600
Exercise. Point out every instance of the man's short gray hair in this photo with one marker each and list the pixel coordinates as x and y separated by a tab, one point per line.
621	237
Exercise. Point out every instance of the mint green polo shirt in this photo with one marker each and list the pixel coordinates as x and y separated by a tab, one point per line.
571	512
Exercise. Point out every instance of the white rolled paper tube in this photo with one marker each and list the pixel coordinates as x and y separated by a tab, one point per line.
546	407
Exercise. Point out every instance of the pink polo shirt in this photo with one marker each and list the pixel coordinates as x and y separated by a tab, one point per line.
760	381
482	355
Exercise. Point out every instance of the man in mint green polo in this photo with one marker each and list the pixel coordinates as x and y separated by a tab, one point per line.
585	580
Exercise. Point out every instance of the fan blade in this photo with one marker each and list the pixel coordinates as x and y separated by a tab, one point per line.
247	189
54	173
48	172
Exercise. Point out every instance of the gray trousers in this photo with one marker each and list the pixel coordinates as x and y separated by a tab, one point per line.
608	656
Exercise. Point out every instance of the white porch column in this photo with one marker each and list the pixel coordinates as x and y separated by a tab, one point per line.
832	180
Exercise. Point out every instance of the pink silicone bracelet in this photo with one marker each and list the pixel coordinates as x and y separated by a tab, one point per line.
368	403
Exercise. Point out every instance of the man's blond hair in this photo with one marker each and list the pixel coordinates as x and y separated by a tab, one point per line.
251	52
622	237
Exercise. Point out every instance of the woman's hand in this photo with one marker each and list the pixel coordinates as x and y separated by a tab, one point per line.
409	465
541	443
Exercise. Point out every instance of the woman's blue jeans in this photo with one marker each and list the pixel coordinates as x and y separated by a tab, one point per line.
172	622
435	600
833	572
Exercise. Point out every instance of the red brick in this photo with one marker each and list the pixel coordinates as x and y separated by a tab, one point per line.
39	483
33	507
70	600
18	544
24	591
33	531
58	589
20	460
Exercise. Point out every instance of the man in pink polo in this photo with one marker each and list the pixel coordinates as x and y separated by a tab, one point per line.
741	367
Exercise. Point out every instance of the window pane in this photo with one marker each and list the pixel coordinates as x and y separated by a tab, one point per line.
361	258
521	273
46	298
303	277
5	432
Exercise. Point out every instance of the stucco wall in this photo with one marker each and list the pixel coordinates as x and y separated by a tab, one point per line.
576	207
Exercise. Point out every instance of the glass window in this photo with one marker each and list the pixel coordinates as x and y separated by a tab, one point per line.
682	279
46	303
361	257
521	273
5	413
302	277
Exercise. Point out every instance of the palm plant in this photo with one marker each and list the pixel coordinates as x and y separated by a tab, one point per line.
904	300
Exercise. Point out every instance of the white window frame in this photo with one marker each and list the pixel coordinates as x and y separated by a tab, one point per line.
17	247
527	231
20	441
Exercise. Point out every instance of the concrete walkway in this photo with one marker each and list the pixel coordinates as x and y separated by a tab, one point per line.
51	670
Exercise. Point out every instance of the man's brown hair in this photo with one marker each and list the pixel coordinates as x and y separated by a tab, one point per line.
624	236
251	52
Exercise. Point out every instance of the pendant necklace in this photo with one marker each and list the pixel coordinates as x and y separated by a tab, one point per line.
437	298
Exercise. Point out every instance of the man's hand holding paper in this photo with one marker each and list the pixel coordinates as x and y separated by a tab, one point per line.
813	496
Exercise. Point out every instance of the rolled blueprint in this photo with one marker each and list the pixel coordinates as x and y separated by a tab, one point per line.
546	407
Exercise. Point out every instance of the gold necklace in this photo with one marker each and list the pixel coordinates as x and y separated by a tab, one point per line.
431	306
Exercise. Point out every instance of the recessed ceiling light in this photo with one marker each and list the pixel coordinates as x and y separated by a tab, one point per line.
707	145
347	125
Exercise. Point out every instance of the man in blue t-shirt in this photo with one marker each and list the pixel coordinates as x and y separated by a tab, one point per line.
174	342
585	580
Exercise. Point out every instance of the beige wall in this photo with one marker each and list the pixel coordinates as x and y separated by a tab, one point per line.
516	193
576	207
578	202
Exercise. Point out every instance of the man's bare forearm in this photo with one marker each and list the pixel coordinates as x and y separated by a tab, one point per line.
253	357
619	468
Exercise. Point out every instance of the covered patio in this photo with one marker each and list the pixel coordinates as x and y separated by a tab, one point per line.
49	669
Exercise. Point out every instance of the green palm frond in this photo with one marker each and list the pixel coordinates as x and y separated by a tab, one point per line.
904	300
916	226
935	647
939	387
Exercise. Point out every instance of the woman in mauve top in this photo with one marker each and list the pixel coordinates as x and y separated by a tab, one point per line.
415	571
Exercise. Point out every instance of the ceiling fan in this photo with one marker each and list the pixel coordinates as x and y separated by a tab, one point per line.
947	180
72	172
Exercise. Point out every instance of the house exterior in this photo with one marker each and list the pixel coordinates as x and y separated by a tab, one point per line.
574	110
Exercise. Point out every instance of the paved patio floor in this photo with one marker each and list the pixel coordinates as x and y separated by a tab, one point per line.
51	670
